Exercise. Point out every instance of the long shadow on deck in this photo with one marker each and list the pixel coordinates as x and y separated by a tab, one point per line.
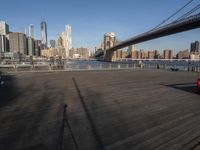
93	127
187	87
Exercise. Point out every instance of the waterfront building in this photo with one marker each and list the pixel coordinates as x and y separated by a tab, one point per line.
31	45
44	34
168	54
4	28
119	54
134	54
61	52
59	42
17	42
156	54
37	48
4	45
52	43
79	52
123	54
195	47
72	51
195	56
45	53
83	52
22	43
183	54
132	48
142	54
14	41
51	52
153	54
32	31
67	39
109	40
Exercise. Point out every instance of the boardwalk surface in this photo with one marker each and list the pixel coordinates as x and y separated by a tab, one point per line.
111	110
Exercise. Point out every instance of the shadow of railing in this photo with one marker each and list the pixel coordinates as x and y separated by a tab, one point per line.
93	127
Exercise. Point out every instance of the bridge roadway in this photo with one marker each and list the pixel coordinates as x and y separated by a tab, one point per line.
125	109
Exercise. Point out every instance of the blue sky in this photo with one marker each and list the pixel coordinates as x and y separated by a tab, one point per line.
90	19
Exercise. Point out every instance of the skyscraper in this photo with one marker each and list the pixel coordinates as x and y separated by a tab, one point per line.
4	28
32	31
52	43
44	34
67	39
18	42
195	47
3	43
31	50
37	48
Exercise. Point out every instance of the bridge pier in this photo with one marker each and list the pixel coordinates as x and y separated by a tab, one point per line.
108	55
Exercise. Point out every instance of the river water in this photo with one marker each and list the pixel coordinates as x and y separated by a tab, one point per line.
161	64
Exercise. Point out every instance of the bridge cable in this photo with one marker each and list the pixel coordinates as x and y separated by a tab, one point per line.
189	12
173	14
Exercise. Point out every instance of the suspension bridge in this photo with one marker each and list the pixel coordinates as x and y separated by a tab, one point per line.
186	22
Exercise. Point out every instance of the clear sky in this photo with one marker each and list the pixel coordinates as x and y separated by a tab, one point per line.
90	19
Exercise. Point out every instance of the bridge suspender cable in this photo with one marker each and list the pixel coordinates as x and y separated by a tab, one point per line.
189	12
173	14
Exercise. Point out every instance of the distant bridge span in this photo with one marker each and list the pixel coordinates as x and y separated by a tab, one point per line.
182	25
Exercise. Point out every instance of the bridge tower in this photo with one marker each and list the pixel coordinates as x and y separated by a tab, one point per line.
108	55
109	40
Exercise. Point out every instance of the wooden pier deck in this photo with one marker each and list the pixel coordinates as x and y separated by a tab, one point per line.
110	110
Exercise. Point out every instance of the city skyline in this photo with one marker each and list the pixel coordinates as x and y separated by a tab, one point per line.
66	43
89	26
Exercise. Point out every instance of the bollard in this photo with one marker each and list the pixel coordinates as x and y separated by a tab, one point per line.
49	67
158	66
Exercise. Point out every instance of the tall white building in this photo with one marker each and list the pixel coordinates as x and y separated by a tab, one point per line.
67	39
4	28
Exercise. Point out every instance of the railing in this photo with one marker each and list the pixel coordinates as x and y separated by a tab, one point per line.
181	64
